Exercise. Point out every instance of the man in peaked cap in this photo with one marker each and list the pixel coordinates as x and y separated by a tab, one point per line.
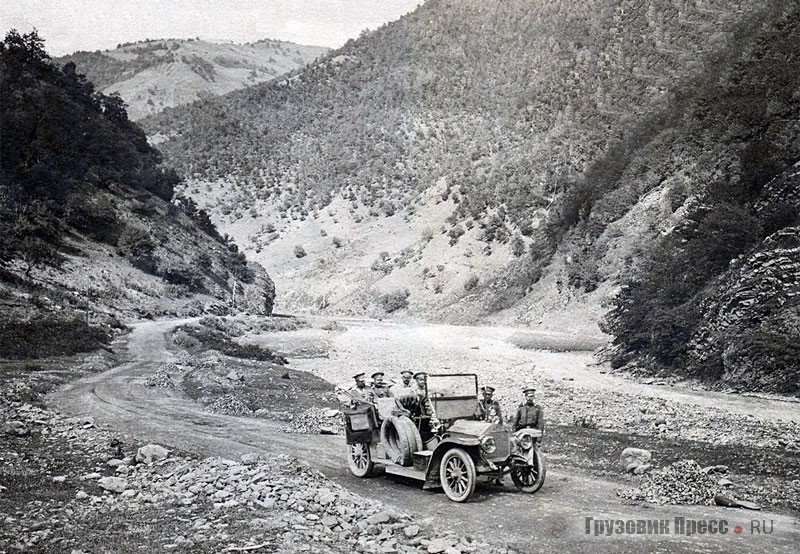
405	386
528	415
426	406
406	376
379	388
359	391
419	382
488	409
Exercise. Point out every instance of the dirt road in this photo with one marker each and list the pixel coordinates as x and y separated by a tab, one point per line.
553	519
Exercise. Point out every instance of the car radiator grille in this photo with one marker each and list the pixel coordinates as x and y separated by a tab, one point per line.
503	446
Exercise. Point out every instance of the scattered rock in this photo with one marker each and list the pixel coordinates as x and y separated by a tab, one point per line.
151	453
380	517
632	458
441	544
113	484
682	482
234	375
15	428
411	531
715	469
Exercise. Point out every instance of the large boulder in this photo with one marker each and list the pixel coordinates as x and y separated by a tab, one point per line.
113	484
151	453
633	458
15	427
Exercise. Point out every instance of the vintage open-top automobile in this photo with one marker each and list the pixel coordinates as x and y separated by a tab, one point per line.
396	434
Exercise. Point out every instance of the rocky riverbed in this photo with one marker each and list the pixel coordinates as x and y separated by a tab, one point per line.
67	486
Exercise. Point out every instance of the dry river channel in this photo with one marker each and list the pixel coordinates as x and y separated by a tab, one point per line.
552	520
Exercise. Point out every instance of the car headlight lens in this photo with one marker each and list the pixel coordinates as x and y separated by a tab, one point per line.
488	445
525	441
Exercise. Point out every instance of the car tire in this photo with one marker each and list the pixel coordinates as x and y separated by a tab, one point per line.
359	459
457	475
530	478
400	439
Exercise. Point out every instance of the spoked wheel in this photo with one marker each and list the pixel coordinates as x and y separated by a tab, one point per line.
457	475
530	478
359	459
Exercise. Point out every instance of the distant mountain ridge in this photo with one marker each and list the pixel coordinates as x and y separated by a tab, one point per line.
523	162
154	74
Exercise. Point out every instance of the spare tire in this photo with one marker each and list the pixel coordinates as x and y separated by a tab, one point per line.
400	439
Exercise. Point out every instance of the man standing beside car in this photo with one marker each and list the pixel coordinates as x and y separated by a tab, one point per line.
529	415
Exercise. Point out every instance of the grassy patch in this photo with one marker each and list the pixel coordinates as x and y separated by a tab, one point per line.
203	336
556	343
45	337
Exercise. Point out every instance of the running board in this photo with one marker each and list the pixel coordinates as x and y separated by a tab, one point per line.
409	472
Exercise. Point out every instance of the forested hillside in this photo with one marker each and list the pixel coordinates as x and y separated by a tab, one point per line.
155	74
520	159
91	233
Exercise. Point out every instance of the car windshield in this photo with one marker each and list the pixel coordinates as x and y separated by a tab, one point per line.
452	386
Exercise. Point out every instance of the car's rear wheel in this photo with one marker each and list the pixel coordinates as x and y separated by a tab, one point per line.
457	475
530	478
359	459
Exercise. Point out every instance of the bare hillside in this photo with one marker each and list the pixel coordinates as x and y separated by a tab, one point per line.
156	74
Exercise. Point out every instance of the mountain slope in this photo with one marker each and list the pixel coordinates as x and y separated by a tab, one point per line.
508	160
89	229
155	74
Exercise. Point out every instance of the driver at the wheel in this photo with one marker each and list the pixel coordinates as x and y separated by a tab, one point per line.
426	406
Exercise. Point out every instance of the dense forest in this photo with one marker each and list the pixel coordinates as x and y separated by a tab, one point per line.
644	145
85	200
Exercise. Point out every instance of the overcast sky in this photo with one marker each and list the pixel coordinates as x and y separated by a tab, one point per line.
70	25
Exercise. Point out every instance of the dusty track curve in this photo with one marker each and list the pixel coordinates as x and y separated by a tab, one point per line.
551	520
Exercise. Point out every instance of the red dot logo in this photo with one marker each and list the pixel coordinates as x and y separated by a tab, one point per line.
738	529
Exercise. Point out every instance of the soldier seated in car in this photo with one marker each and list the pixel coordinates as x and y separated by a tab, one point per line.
488	409
379	388
359	392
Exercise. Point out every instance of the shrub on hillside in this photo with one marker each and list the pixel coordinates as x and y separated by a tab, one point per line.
395	300
383	264
299	251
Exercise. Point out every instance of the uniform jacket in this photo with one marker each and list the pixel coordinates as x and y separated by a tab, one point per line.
381	391
528	416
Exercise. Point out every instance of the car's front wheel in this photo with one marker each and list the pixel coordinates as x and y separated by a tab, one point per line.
457	475
359	459
530	478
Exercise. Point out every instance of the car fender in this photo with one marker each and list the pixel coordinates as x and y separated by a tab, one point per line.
472	445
